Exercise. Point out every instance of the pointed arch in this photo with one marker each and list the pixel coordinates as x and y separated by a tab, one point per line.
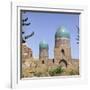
63	62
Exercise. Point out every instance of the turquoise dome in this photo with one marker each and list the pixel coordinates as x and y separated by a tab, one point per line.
43	44
62	32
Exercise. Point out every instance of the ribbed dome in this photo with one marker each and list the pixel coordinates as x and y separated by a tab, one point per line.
43	44
62	32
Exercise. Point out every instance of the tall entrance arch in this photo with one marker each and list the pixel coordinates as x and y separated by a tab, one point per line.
63	63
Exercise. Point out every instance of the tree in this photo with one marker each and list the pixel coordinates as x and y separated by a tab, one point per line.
77	34
25	22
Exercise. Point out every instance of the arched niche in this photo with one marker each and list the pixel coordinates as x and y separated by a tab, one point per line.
43	62
63	52
63	63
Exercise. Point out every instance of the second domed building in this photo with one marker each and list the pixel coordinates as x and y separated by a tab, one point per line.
43	51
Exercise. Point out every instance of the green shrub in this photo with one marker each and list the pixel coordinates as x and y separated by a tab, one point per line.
52	72
55	71
58	70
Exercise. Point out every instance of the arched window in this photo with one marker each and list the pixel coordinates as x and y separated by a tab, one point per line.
63	51
42	61
53	61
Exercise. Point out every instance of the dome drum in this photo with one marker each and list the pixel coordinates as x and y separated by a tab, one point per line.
43	45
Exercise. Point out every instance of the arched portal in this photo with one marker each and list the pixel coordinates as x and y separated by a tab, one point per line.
63	63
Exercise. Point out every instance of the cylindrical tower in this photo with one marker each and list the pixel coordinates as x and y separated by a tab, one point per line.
43	52
62	49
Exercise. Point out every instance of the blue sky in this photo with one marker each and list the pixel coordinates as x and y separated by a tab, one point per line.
45	25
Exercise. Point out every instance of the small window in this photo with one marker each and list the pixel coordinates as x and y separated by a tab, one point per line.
63	51
42	61
53	60
31	54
